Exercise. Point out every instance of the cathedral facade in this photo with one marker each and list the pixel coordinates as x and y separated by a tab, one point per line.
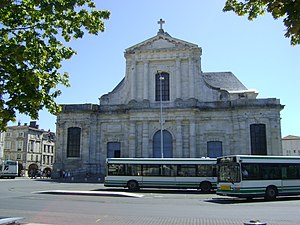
166	106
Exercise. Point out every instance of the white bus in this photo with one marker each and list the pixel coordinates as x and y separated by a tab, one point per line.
9	169
258	176
135	173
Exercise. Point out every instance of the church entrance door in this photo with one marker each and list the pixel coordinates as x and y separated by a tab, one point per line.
167	145
113	150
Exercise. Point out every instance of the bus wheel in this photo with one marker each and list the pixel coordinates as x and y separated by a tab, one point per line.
271	193
205	186
132	185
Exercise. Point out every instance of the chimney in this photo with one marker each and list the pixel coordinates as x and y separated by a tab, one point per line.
33	124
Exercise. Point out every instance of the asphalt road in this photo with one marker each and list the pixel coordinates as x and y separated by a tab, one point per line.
59	203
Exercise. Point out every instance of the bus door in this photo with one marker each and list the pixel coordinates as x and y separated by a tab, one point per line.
168	175
156	175
187	176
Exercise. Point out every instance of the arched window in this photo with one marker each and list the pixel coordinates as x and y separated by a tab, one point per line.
214	149
73	142
167	145
162	87
258	139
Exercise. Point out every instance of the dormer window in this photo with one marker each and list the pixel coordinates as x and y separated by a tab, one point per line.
162	87
242	96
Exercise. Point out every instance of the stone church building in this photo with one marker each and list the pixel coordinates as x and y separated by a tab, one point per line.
166	106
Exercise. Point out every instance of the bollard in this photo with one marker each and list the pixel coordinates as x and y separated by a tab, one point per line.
255	222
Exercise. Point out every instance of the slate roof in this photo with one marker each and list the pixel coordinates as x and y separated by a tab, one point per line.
223	80
291	137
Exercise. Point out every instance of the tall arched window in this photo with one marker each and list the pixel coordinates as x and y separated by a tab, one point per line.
258	139
162	86
167	145
73	142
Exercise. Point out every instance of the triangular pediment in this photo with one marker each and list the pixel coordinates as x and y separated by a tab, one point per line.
161	41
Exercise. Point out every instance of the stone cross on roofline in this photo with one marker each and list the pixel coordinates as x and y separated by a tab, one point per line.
161	22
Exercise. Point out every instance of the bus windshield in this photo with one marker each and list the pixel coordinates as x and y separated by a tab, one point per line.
229	172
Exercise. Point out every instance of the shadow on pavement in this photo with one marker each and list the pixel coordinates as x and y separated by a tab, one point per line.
221	200
157	191
70	180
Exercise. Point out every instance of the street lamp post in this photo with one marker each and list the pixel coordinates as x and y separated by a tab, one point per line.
161	116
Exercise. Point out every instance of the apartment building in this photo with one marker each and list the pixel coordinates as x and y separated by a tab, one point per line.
291	145
32	147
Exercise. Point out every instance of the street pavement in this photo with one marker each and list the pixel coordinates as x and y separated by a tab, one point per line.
151	206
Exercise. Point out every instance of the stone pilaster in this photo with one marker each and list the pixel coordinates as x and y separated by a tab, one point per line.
178	78
192	138
146	79
133	80
131	138
92	138
145	138
178	150
191	78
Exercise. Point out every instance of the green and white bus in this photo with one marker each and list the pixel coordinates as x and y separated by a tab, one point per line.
135	173
252	176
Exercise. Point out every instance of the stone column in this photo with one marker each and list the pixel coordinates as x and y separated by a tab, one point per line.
178	78
146	79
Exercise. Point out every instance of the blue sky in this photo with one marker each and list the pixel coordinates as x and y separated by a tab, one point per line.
255	51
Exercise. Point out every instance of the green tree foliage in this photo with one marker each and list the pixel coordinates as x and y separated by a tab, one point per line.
33	34
288	9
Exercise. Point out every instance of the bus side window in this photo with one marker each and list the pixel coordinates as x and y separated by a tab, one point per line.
284	172
168	170
250	171
271	171
116	169
187	171
134	170
206	170
121	169
214	169
151	170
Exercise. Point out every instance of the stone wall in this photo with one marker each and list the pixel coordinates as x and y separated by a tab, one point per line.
191	129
